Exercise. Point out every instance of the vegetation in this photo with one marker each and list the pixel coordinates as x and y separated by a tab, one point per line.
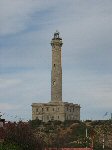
9	146
73	133
19	136
36	135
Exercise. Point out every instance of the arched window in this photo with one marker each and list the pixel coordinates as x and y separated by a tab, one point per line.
52	118
47	117
54	82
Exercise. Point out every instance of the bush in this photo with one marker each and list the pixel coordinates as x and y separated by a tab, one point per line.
35	123
9	146
21	134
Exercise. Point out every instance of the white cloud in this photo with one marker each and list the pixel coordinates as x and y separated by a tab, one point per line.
91	91
7	106
25	87
7	83
14	14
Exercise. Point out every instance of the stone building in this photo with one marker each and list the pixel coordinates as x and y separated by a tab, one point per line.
56	109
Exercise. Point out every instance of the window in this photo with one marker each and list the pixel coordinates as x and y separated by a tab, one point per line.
52	118
54	82
42	109
53	109
58	117
47	108
54	65
37	110
47	117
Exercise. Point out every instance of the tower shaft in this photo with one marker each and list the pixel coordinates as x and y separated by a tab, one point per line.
56	72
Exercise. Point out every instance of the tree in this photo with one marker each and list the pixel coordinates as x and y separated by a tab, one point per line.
21	134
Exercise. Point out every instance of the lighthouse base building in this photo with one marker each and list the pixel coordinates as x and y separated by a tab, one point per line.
56	109
51	111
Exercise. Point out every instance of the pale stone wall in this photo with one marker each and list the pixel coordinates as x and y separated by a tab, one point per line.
50	111
56	73
46	112
72	111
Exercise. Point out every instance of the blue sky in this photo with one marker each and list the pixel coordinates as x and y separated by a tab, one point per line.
26	29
